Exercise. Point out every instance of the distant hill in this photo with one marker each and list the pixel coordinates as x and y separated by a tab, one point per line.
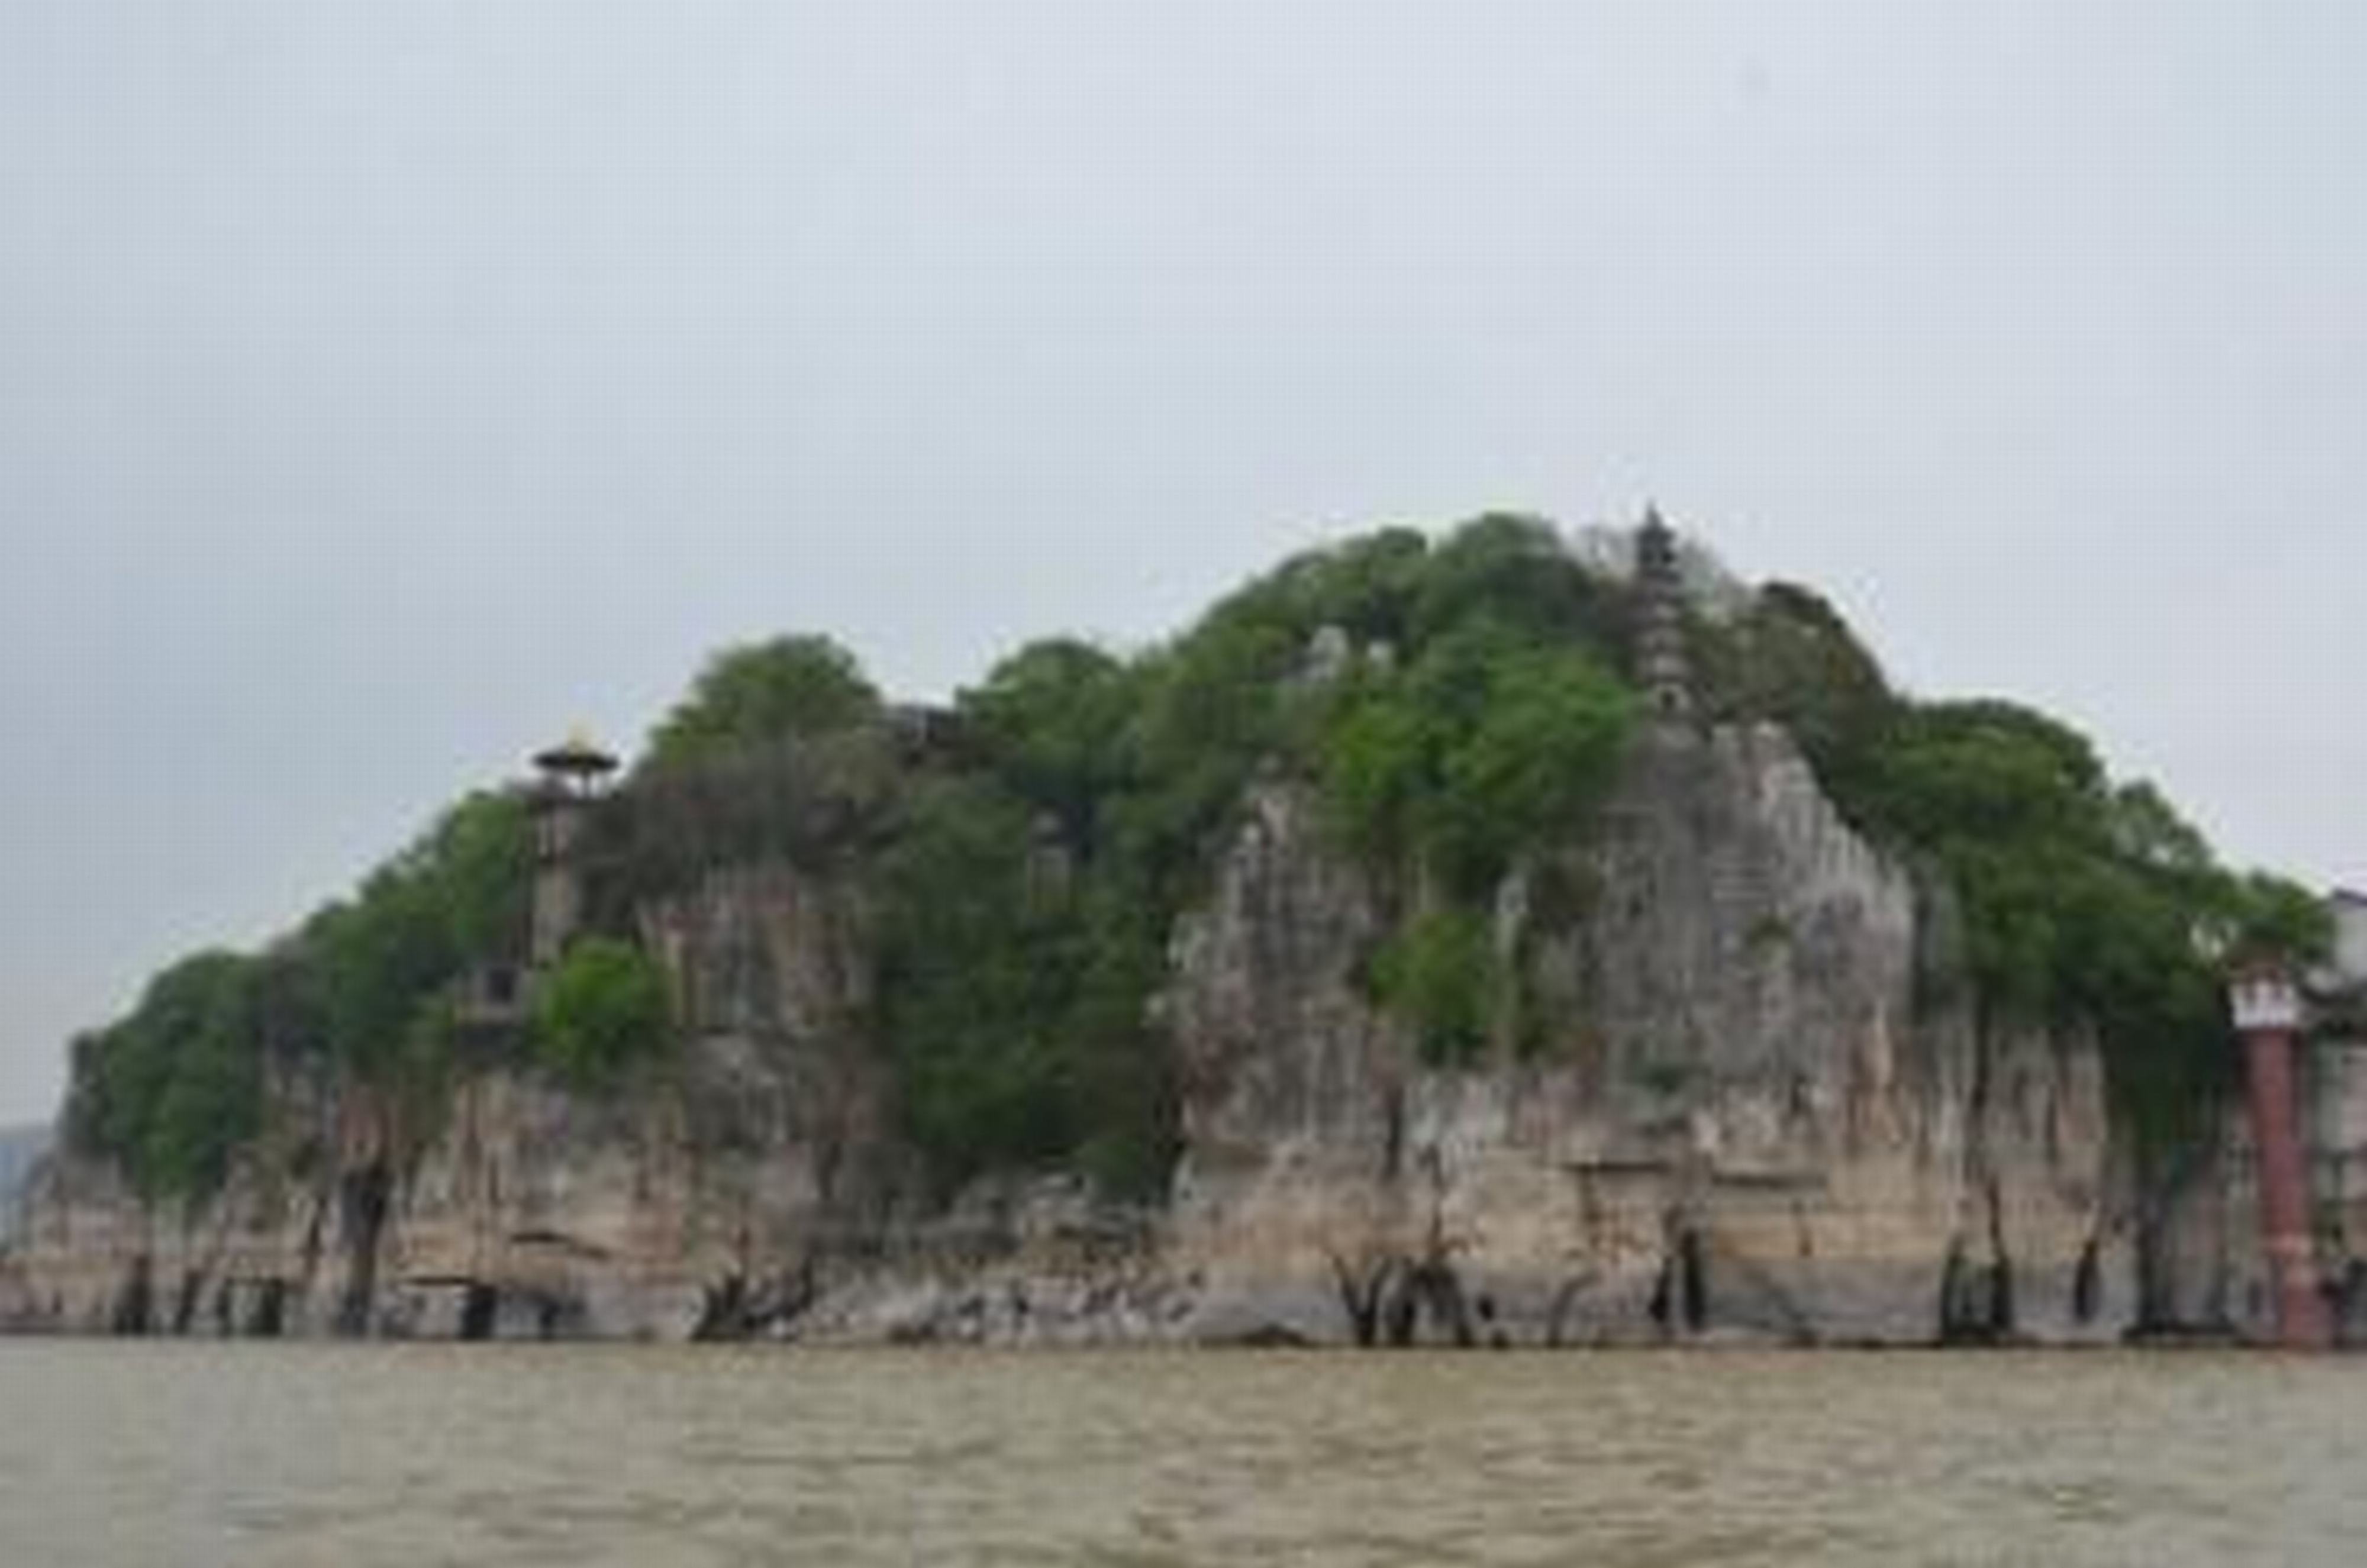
20	1148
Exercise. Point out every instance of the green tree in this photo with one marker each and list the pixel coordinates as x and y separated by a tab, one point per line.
1541	752
1488	744
977	971
2267	916
1052	720
381	955
481	855
1514	572
1378	766
605	1008
788	688
173	1088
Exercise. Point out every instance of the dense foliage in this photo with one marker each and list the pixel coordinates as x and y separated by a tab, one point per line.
763	693
380	958
2084	904
1449	701
1484	745
781	749
175	1086
2081	902
1791	658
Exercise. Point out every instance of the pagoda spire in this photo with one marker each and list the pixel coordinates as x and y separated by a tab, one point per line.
1663	663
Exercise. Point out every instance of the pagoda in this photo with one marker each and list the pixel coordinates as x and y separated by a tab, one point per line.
1663	666
570	776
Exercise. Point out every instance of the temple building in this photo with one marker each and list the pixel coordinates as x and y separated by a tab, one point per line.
492	998
570	776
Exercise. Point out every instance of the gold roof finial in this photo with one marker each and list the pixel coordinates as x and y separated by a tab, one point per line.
579	756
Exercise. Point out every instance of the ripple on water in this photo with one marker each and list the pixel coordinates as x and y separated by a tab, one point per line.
115	1456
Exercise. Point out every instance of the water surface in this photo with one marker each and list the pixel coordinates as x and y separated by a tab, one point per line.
132	1455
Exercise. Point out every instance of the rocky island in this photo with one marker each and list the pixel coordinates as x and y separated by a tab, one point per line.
1488	938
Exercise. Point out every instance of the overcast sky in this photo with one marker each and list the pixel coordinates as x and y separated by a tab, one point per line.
385	387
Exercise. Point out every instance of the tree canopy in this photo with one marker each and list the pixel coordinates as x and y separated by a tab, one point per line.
786	688
2085	904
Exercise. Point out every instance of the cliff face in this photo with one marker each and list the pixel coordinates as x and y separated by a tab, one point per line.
1740	1116
1749	1128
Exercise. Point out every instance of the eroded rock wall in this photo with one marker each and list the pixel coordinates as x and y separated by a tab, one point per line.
701	1200
1730	1107
1742	1121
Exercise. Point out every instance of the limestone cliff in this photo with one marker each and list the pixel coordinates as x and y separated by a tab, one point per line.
1741	1108
692	1204
1751	1123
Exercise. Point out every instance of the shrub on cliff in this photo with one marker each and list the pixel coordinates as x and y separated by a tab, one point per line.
1438	973
603	1008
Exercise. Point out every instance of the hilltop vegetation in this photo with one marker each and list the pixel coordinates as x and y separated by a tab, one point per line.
1457	705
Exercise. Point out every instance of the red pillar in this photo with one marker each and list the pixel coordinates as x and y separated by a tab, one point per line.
2302	1321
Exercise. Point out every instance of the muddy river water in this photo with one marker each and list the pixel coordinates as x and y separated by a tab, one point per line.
137	1455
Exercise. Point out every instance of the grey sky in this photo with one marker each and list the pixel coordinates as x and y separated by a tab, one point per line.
384	386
